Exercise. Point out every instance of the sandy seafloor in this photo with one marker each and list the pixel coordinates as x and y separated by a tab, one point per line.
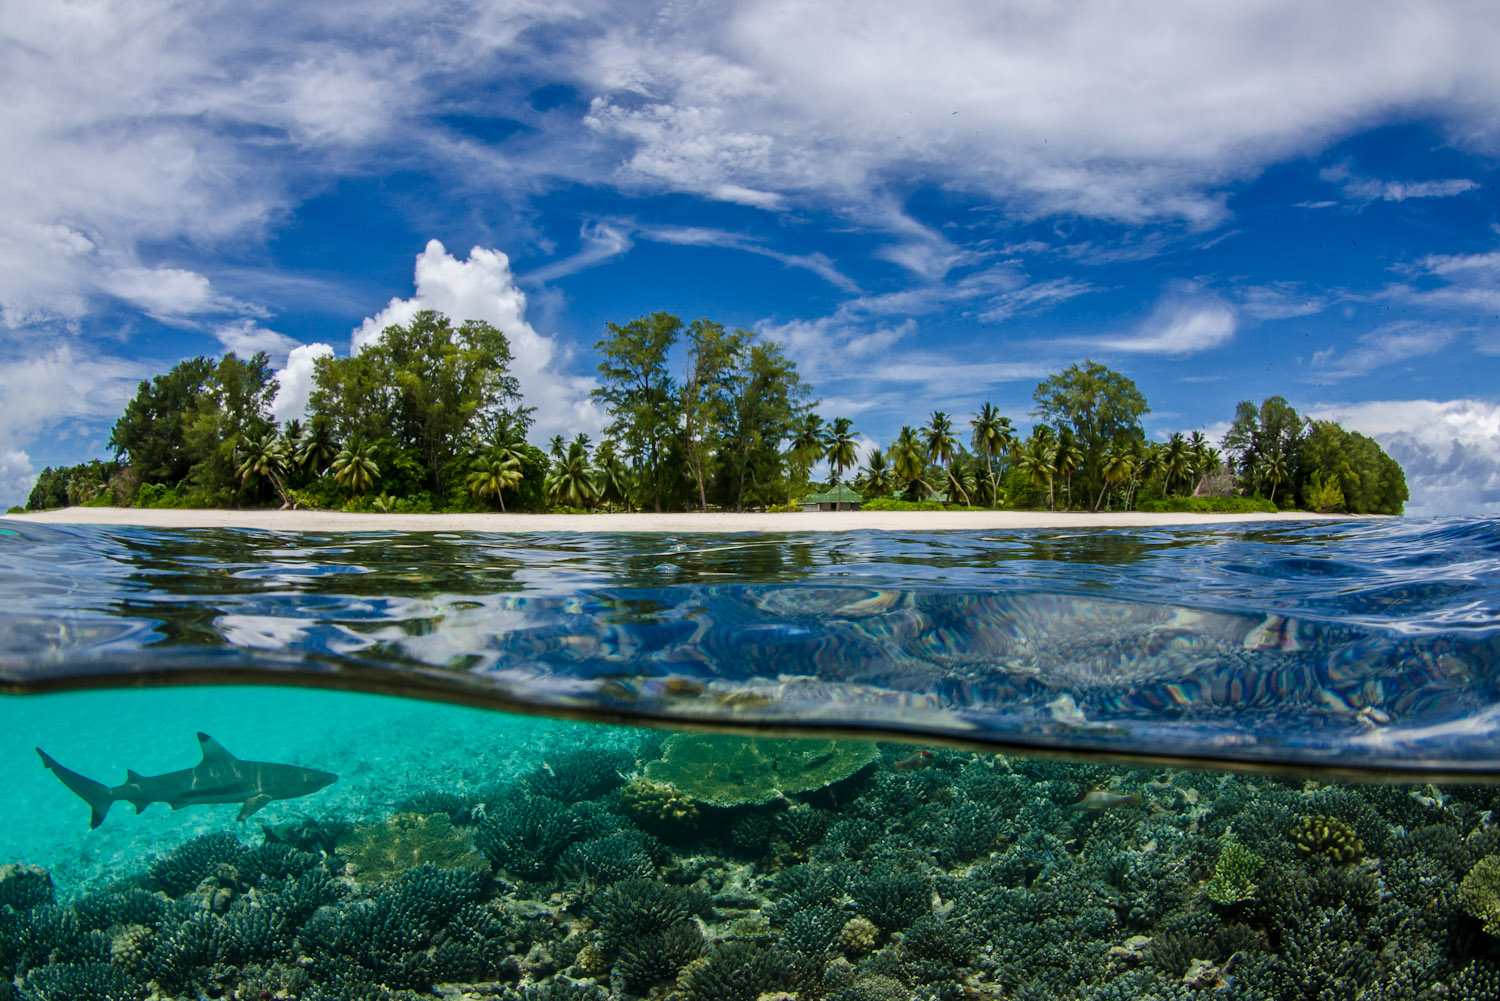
383	750
677	523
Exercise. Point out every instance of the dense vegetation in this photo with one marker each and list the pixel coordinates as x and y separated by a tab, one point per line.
428	418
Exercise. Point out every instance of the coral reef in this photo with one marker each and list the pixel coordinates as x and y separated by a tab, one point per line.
382	851
1235	873
724	770
1321	836
968	877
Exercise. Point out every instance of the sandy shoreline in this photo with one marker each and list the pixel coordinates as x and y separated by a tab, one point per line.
675	523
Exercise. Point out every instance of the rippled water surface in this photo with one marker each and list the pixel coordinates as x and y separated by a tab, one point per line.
1360	645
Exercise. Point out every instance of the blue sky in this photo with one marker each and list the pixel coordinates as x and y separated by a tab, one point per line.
930	205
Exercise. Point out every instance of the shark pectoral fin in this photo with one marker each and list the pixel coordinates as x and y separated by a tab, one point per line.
140	805
253	804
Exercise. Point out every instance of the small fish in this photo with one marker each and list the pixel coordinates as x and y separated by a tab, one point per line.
1104	799
913	761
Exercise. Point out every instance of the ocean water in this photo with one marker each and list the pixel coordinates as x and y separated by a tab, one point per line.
1230	762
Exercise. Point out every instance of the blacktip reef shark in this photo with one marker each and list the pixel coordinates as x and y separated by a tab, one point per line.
219	778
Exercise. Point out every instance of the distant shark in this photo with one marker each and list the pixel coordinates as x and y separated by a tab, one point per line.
219	778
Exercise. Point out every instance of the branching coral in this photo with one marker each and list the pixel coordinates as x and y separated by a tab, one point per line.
1234	874
659	806
1479	893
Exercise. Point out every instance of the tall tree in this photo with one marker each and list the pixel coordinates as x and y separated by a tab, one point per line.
768	402
1258	435
428	387
877	478
841	453
637	389
909	462
993	437
1067	455
713	370
234	410
943	447
1037	461
150	434
1098	403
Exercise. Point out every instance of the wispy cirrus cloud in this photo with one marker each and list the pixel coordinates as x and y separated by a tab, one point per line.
1386	345
1185	322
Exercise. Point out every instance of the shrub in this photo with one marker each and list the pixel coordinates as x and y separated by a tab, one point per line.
1208	505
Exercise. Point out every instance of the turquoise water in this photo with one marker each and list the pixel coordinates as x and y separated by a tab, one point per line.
1074	764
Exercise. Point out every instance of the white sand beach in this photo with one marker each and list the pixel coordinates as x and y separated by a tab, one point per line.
674	523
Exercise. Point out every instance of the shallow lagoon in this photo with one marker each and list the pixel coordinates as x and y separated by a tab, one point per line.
546	861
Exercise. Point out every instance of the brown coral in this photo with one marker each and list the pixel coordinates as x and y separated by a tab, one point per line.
659	805
858	936
381	851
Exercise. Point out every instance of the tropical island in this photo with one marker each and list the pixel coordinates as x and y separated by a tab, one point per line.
428	419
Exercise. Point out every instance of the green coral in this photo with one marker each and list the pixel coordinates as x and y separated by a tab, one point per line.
1234	874
1479	893
382	851
658	805
1318	835
723	770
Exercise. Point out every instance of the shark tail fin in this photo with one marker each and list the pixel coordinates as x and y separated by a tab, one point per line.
95	794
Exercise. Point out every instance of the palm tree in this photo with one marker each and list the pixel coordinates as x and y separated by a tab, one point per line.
1119	466
494	473
808	444
942	447
841	453
1275	470
1067	456
1176	460
993	437
571	480
909	461
1036	461
355	468
611	477
877	476
318	447
266	456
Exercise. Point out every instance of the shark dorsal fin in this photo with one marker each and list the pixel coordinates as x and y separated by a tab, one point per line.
213	751
132	776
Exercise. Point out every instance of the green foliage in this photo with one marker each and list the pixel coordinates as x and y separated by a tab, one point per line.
1099	405
1324	497
151	434
1208	505
788	508
93	483
425	386
896	504
725	770
1235	873
1479	894
381	851
638	390
1331	459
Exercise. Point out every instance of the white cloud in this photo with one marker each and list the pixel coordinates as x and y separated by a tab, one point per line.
483	288
1387	345
17	475
47	392
1369	189
1280	301
1179	327
1034	298
246	337
1129	112
294	383
164	293
1450	449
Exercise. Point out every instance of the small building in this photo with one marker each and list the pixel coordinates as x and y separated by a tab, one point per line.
845	496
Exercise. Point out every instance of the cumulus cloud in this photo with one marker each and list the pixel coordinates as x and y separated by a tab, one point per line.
1450	449
48	392
483	288
1386	345
294	383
